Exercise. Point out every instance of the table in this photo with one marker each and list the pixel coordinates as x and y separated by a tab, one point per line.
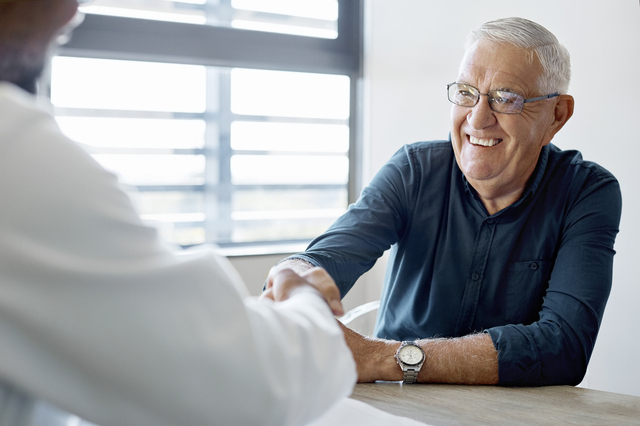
492	405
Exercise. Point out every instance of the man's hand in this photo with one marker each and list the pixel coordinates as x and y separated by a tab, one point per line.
374	357
281	283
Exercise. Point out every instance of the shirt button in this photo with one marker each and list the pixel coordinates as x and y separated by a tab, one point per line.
489	221
533	265
475	276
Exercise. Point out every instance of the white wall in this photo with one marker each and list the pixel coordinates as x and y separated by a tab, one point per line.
412	51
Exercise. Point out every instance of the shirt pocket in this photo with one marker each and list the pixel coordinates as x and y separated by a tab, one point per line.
527	282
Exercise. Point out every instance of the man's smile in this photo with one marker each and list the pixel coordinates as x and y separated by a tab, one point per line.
484	142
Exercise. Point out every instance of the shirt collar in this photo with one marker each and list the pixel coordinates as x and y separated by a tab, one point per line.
531	187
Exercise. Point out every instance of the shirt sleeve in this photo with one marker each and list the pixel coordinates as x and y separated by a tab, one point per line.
102	319
556	349
351	246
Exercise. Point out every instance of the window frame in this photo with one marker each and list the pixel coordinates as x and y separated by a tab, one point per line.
111	37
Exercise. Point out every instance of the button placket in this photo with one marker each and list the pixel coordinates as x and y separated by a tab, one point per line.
471	295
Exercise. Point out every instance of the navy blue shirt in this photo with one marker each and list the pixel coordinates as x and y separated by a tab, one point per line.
535	276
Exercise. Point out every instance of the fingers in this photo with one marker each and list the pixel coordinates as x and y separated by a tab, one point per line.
267	294
323	282
272	274
284	282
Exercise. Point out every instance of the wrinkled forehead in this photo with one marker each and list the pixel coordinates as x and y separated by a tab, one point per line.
500	66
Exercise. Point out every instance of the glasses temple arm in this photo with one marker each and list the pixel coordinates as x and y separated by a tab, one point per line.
539	98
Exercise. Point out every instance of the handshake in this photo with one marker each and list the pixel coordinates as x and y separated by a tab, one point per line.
282	282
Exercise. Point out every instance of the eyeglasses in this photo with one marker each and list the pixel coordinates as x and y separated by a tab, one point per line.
499	100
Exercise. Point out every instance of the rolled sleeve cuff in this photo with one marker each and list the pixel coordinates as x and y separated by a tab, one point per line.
518	358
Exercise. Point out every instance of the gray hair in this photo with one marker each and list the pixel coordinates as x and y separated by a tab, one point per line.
534	38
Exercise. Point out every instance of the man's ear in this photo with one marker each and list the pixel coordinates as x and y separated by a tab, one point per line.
561	114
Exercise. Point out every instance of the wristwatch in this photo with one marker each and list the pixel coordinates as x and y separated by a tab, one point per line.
410	357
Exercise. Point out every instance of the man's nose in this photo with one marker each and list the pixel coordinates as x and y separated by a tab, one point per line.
481	115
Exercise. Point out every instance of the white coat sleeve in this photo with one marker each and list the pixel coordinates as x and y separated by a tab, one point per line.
100	318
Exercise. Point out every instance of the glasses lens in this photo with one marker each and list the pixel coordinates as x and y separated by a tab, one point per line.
506	102
463	94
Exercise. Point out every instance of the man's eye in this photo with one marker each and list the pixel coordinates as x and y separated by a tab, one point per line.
502	100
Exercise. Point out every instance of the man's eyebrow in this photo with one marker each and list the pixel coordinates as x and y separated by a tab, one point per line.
498	89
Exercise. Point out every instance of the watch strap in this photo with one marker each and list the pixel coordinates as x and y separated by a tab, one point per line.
410	375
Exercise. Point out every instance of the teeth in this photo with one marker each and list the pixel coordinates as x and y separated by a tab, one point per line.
484	142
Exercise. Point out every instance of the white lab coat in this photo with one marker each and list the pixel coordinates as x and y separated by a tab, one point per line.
100	318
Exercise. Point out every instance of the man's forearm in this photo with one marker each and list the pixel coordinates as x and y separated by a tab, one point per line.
471	359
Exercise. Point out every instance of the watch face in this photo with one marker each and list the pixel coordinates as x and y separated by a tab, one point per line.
410	355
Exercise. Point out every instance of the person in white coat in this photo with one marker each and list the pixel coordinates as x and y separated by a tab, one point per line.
99	318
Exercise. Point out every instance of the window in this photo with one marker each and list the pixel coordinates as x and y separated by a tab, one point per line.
315	18
222	131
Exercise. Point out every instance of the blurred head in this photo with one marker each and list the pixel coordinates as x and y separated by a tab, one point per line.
498	151
28	30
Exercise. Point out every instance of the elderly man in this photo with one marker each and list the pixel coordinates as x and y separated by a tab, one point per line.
99	318
501	243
